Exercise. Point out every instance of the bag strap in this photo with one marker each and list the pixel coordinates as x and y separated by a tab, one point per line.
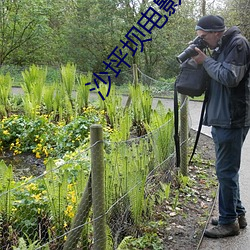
176	126
199	127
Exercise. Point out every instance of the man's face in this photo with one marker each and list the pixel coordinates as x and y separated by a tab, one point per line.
211	38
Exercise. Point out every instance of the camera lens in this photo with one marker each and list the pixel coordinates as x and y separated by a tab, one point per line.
190	51
187	53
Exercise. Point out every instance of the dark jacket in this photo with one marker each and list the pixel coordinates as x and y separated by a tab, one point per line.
228	103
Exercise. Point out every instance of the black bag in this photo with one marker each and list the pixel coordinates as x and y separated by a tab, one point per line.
192	80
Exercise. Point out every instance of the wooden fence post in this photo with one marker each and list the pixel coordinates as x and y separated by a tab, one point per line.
80	218
135	74
98	194
184	135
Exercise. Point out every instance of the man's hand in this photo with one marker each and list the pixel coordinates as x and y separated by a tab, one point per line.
200	58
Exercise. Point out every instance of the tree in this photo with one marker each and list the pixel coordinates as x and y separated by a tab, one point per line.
237	13
21	21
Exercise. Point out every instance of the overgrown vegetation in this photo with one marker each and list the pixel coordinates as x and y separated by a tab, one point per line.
51	122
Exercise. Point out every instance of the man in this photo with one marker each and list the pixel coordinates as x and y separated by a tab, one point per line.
228	112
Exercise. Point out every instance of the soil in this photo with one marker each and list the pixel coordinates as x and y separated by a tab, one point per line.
186	223
25	164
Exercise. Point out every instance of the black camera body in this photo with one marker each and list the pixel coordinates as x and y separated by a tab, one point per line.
190	51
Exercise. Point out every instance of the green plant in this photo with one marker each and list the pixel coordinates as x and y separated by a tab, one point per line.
141	103
68	74
176	199
122	126
6	204
30	208
146	101
56	187
33	85
114	109
163	87
62	104
6	184
23	134
82	98
184	181
29	244
147	241
126	172
48	98
5	90
164	191
161	126
44	137
65	181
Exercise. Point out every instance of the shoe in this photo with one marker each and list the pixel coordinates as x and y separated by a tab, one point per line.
241	219
221	231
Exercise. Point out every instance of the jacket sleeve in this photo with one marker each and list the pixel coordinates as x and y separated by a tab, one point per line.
234	66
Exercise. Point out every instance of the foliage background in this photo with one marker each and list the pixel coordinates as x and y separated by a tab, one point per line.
84	32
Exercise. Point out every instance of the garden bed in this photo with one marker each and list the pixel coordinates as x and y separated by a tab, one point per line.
178	222
186	224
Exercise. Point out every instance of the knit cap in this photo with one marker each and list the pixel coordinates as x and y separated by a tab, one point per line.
210	23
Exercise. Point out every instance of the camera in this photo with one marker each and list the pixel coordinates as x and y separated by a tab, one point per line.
190	51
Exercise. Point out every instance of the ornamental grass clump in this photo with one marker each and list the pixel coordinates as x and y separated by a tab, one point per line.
141	106
82	93
34	80
160	131
5	91
68	75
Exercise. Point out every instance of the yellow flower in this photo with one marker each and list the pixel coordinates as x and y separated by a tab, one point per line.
6	132
69	211
102	112
45	151
37	196
17	152
73	199
38	156
14	209
31	187
26	178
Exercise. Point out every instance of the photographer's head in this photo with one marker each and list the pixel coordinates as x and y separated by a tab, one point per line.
211	28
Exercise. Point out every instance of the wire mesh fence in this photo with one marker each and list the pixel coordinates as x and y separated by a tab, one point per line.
55	210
